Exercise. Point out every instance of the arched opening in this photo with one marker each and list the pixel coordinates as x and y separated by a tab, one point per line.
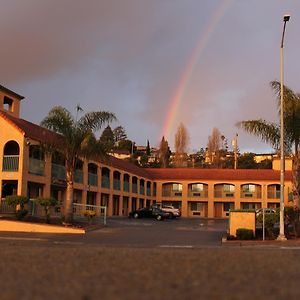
198	190
126	182
142	187
148	188
117	180
172	189
134	184
105	183
36	160
11	157
92	174
78	175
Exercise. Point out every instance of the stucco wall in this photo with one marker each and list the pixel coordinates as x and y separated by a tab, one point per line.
241	219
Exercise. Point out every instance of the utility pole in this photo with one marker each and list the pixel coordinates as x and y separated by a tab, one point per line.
235	147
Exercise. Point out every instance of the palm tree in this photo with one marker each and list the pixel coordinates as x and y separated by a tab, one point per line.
79	141
270	132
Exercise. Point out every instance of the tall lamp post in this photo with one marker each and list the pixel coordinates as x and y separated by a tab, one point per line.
281	235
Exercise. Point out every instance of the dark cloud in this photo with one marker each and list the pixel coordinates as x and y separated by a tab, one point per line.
128	57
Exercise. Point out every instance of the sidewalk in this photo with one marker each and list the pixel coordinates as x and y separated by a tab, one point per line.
260	243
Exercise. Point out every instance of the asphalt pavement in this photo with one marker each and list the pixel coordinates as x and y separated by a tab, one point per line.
145	259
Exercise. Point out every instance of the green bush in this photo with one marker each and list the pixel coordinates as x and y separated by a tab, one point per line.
20	214
270	221
244	234
18	202
47	203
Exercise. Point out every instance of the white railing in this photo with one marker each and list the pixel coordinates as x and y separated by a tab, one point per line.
79	210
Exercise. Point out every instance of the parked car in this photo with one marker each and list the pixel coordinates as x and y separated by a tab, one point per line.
152	212
173	212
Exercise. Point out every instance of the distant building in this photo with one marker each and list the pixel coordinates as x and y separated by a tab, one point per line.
120	154
261	157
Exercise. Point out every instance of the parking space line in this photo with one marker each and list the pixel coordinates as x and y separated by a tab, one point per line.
22	239
176	246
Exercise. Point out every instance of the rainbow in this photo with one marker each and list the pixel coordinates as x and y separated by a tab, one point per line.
177	97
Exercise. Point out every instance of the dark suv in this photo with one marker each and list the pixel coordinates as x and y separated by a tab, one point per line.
147	212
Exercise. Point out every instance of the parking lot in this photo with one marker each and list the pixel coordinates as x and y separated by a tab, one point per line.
144	259
129	232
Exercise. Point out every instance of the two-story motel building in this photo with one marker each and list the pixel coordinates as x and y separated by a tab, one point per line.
121	186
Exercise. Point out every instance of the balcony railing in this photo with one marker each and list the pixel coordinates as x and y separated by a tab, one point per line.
148	191
117	184
10	163
92	179
171	193
134	188
273	194
142	190
58	172
126	186
222	194
198	194
36	166
251	194
78	176
105	182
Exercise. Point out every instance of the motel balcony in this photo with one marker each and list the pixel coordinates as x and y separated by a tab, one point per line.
58	172
78	176
105	183
10	163
92	179
117	184
36	166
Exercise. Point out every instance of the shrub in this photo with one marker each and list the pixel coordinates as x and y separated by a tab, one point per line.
244	234
270	221
231	238
47	203
20	214
18	202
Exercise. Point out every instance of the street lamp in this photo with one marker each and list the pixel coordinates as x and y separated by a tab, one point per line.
281	235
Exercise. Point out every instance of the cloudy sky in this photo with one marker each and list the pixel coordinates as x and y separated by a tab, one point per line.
135	58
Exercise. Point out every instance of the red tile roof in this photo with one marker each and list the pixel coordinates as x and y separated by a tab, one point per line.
129	167
34	131
217	174
43	135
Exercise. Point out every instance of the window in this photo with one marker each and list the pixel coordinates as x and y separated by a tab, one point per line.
8	104
177	187
249	205
197	187
228	206
248	188
196	206
228	188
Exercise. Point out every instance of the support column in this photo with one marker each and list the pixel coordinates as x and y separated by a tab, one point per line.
110	205
210	203
129	204
237	196
184	202
120	206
